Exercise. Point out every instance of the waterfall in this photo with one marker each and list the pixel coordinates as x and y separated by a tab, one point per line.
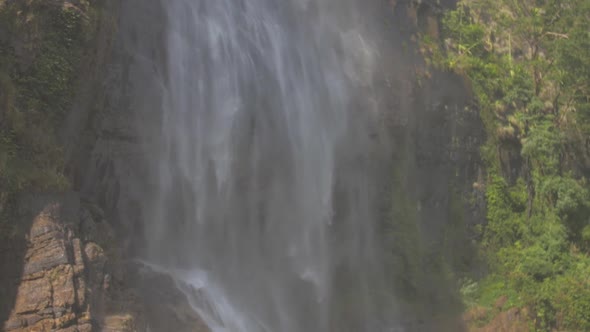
264	191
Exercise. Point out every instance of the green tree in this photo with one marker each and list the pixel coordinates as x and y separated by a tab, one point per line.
529	66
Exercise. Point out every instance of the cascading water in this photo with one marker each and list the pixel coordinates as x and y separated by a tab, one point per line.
264	193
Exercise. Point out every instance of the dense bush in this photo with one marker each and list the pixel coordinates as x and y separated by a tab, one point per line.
528	63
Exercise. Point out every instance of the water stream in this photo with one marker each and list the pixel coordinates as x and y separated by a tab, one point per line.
264	204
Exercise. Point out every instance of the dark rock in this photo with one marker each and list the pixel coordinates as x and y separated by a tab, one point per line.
167	307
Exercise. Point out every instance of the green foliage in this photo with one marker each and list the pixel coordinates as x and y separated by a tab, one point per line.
569	197
494	287
542	144
47	83
529	66
572	297
504	213
467	35
37	90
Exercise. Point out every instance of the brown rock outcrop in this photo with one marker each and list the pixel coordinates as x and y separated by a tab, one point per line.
75	277
63	283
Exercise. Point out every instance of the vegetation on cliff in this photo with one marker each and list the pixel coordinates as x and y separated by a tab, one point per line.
42	47
528	63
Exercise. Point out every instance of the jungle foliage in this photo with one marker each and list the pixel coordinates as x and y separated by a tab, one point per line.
528	65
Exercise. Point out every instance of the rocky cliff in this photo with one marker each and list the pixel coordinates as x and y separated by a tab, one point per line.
64	255
67	256
68	281
433	197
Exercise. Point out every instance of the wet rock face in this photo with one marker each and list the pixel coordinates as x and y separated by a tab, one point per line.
166	307
63	286
75	276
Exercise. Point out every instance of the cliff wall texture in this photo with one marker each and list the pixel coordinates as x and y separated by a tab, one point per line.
68	161
72	174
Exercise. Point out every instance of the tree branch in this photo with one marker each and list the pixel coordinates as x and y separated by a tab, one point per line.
556	34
